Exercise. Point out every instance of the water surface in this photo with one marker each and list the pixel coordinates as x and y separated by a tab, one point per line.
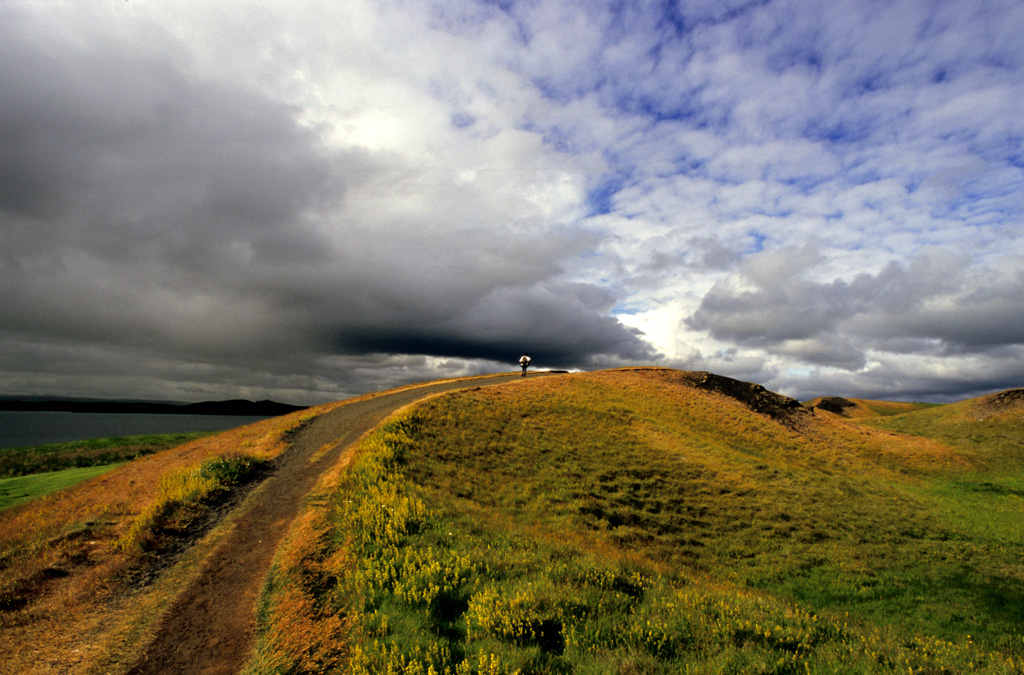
21	428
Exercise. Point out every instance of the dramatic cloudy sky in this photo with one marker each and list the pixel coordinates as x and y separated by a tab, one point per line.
308	200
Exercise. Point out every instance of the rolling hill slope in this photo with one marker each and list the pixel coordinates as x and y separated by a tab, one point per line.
639	520
545	526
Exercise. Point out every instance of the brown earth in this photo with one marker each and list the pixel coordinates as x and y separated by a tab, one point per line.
210	627
754	396
1002	401
835	404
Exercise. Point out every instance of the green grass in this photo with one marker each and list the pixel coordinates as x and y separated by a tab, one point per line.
614	524
21	489
986	503
464	590
888	408
993	439
78	454
35	471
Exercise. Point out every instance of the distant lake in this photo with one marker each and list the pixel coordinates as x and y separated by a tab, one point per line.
18	428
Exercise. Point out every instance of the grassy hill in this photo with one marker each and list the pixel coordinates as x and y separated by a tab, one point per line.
626	521
656	521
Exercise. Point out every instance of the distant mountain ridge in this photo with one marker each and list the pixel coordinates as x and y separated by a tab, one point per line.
239	407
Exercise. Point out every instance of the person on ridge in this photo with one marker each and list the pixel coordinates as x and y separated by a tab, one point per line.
524	361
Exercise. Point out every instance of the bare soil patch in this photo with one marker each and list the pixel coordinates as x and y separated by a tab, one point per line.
172	541
1005	400
754	396
835	404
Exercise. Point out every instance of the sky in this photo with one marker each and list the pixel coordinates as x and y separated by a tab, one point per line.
307	200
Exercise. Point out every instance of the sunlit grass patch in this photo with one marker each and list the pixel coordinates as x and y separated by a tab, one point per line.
20	489
299	627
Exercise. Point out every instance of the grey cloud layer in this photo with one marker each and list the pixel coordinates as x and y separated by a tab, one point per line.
934	306
189	225
322	198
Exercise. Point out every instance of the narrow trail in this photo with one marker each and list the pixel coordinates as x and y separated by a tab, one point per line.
210	628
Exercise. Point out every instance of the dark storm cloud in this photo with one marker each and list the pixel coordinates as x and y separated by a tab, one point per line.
125	158
160	226
137	203
553	322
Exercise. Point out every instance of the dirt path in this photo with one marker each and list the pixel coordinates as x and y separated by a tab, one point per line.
210	627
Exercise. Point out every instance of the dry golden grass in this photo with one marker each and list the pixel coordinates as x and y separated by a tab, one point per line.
296	631
299	632
818	440
61	571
